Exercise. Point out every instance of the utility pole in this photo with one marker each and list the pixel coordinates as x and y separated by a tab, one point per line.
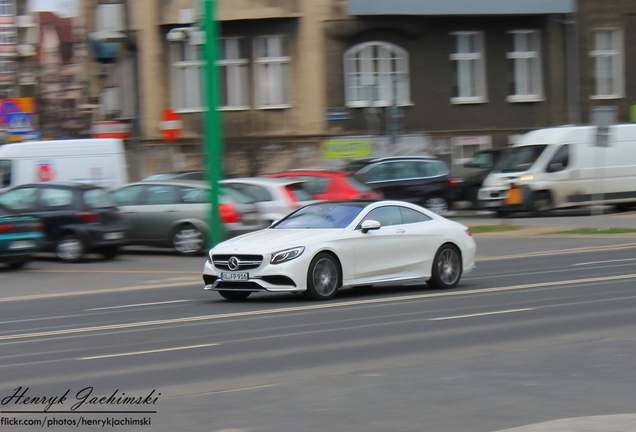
212	128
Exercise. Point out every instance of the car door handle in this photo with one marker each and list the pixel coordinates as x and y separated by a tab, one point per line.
400	231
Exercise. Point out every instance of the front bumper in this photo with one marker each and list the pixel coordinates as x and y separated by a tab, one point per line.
510	198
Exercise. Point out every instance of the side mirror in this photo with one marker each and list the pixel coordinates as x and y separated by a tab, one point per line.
369	225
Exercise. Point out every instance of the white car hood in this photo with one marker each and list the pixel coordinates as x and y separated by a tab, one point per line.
272	240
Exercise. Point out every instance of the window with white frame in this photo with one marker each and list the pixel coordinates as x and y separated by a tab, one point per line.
271	65
468	61
8	36
7	8
233	63
527	77
186	82
607	64
376	74
7	66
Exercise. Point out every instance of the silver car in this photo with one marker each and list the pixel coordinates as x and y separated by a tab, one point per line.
275	197
175	213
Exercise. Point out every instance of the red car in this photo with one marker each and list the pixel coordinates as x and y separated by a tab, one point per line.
331	184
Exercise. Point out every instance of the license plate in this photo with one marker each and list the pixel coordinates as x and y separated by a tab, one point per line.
491	203
113	236
238	276
22	244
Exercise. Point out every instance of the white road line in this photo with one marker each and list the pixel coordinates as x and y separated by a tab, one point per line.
308	308
136	305
604	262
147	352
481	314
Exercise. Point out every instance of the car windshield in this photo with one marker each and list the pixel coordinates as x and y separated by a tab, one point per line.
5	211
519	159
322	215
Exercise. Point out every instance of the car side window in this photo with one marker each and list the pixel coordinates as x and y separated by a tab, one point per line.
160	195
560	159
20	199
128	196
191	195
5	173
405	170
387	216
55	198
314	185
410	216
378	173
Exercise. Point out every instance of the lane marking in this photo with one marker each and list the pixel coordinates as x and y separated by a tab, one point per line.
137	305
481	314
558	252
267	312
147	352
604	262
97	291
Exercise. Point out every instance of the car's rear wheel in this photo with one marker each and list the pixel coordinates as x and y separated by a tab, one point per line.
542	203
436	204
188	240
70	248
447	268
323	277
235	295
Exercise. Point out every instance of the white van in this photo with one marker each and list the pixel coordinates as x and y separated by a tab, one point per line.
97	161
564	167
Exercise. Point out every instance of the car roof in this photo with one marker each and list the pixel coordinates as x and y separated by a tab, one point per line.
169	182
61	184
262	181
317	171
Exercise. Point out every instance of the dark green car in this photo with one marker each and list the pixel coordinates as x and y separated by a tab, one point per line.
20	237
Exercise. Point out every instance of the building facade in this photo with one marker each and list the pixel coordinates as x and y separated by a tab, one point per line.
313	82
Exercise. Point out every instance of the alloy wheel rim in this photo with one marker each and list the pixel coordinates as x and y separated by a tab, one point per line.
448	266
188	240
325	277
70	249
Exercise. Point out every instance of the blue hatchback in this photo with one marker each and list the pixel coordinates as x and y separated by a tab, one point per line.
20	237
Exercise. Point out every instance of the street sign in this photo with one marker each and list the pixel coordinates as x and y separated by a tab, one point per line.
8	107
20	122
170	125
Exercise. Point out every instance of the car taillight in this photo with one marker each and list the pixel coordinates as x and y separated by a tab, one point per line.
453	181
468	232
290	197
6	227
229	214
89	217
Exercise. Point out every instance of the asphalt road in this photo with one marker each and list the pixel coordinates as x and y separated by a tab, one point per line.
542	331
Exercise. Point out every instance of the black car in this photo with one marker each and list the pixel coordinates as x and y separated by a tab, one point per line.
422	180
77	218
472	174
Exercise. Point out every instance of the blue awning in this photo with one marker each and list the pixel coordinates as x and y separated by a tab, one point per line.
460	7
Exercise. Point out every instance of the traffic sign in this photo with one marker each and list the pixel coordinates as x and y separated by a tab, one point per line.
170	125
8	107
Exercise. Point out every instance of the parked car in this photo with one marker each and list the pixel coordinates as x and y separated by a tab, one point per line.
20	237
274	197
423	180
175	213
177	175
331	184
328	245
78	218
470	175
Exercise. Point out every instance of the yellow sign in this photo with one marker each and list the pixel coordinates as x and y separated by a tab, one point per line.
341	148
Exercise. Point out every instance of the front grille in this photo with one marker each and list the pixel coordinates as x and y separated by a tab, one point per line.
246	262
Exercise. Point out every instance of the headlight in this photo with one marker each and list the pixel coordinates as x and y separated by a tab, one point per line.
527	177
286	255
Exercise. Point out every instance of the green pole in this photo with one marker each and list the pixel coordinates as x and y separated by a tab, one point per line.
212	125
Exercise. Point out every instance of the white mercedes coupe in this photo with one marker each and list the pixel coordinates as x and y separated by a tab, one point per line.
325	246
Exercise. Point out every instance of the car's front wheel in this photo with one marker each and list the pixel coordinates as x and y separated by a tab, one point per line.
323	277
188	240
235	295
70	248
447	268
